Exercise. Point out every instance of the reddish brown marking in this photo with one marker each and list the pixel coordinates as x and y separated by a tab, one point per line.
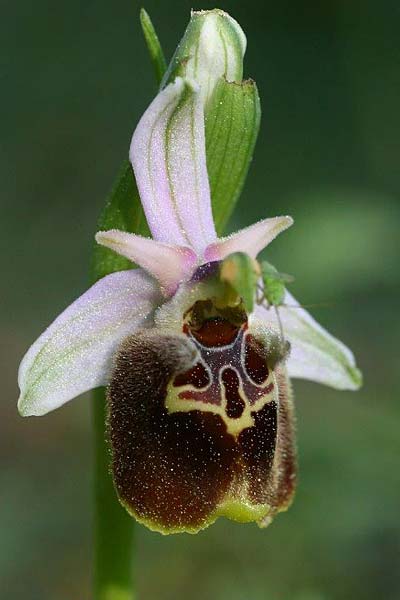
255	363
216	332
234	403
269	388
197	376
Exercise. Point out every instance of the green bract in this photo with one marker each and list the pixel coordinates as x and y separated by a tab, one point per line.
232	124
123	210
153	45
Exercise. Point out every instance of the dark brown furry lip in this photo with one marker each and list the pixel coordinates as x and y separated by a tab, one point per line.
174	471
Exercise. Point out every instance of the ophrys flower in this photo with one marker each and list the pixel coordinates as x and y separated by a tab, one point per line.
200	408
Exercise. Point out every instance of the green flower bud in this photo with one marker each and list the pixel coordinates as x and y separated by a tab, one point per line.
212	48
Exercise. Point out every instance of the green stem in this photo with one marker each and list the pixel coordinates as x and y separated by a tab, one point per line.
113	528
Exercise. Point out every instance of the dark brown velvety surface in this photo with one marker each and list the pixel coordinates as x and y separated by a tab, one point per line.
171	469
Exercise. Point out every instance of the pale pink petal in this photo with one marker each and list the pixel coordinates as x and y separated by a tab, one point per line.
169	159
75	353
250	240
170	265
315	354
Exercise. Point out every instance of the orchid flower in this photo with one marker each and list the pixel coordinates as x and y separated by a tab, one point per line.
200	406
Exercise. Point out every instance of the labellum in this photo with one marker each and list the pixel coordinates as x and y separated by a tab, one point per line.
201	422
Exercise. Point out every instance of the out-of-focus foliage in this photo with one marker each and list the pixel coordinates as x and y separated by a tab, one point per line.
74	82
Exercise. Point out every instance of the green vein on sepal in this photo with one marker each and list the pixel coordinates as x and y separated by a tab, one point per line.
186	97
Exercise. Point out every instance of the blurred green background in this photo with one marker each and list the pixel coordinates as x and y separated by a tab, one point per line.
75	77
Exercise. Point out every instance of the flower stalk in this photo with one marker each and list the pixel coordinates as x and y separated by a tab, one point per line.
113	528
